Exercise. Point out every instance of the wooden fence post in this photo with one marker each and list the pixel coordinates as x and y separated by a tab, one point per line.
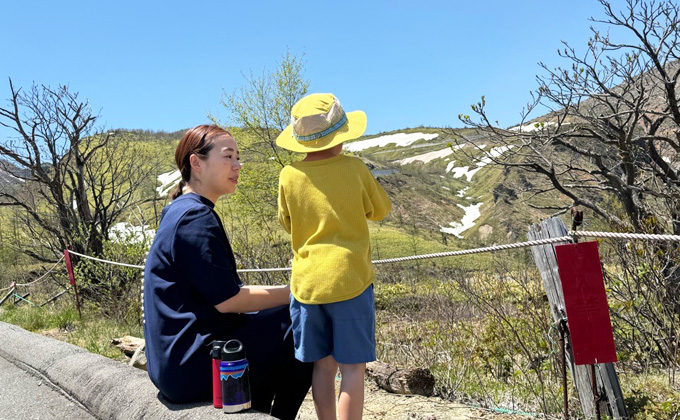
53	298
11	293
72	279
608	382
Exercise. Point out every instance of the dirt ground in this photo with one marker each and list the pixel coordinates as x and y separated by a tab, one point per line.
380	404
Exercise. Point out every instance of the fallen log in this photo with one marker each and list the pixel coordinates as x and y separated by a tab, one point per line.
138	359
401	381
128	344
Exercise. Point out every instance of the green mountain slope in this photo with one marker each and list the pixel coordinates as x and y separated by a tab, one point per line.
443	187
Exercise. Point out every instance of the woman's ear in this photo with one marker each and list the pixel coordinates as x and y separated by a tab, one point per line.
195	163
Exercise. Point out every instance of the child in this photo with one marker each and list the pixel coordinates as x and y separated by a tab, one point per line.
324	201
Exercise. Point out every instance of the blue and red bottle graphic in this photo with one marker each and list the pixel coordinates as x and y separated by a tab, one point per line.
235	378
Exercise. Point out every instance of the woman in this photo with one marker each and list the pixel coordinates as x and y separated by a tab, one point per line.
193	294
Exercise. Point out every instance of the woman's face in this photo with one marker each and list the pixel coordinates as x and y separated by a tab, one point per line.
220	169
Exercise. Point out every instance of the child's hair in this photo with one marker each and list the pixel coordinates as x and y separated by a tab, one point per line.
196	141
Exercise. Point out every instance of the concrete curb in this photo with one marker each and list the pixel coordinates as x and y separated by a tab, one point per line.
106	388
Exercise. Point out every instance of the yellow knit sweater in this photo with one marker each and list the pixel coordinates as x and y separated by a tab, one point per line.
324	205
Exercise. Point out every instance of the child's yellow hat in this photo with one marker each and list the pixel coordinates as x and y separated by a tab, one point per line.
318	122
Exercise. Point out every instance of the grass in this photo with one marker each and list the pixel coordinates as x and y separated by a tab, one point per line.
93	333
391	242
650	396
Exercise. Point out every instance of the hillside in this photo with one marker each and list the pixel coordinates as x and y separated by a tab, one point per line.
10	176
440	190
445	187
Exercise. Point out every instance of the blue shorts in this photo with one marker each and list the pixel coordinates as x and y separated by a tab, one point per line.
345	330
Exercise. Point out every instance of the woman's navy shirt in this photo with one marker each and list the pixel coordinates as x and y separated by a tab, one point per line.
190	269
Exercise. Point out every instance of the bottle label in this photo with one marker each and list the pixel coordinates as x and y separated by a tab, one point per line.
233	369
235	385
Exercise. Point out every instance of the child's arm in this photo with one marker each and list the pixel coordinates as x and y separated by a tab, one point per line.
379	200
284	216
255	298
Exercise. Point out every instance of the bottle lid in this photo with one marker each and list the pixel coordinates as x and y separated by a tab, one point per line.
216	349
233	350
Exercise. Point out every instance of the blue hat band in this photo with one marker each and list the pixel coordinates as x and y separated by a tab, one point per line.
329	130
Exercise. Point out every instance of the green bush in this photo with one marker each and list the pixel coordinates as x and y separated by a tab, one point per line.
114	290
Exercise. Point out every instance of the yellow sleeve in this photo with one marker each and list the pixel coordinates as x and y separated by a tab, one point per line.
379	200
284	215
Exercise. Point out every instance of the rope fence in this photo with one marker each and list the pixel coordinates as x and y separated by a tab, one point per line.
567	238
476	250
36	280
105	261
622	235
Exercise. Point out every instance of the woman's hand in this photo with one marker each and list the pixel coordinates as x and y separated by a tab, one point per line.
255	298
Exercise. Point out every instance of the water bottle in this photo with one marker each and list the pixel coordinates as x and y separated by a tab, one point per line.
235	378
216	354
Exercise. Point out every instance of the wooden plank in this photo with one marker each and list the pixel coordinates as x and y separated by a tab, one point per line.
608	382
19	298
53	298
547	265
11	293
548	268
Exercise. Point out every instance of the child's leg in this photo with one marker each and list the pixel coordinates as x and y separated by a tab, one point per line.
323	387
351	398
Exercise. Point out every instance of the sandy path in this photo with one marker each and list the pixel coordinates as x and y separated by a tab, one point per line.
380	404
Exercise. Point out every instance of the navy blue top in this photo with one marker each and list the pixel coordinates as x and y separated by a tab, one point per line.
190	269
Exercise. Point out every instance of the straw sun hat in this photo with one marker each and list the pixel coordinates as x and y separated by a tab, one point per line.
318	122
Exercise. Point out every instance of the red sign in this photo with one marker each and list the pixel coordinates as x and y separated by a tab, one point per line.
585	300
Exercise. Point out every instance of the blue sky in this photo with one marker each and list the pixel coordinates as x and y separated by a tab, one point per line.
163	65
